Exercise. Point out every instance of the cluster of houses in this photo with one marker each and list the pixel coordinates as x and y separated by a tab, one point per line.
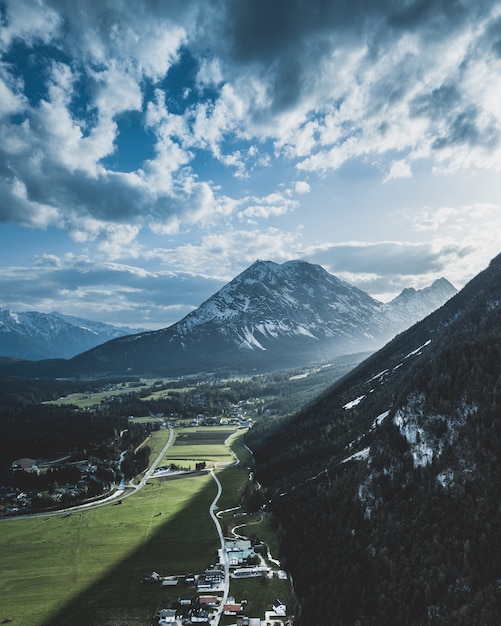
199	610
201	607
31	488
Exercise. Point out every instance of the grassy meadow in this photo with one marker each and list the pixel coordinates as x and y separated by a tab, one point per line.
87	567
197	444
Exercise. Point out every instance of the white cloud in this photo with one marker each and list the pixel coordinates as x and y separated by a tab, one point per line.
301	187
210	73
29	21
399	169
273	204
12	99
225	254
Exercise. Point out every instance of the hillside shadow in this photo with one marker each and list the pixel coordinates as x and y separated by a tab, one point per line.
121	597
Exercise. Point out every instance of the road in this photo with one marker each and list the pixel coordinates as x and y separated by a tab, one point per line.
224	555
124	490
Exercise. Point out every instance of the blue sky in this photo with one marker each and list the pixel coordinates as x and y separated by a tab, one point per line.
151	151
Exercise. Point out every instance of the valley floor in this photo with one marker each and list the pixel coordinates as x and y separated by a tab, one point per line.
99	565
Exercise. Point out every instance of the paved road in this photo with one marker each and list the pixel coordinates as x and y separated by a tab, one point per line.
124	490
224	555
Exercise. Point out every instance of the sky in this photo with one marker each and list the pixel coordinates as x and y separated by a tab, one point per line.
150	151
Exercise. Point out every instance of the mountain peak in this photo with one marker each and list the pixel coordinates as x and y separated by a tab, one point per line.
270	316
35	335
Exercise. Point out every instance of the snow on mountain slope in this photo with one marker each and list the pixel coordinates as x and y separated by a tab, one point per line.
34	335
297	299
413	305
270	316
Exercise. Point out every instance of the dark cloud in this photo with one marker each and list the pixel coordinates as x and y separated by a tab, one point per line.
437	103
286	41
434	14
389	258
465	130
493	36
110	293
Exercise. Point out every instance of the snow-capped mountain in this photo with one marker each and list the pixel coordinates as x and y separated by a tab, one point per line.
270	304
33	335
395	470
270	316
413	305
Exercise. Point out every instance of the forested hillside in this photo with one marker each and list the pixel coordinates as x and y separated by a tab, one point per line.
387	486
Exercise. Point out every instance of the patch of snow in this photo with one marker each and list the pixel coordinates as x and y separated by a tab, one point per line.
249	341
407	419
357	456
418	426
379	420
446	478
302	330
418	350
353	403
376	376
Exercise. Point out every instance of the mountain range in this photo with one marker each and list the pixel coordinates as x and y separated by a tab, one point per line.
386	487
33	335
270	316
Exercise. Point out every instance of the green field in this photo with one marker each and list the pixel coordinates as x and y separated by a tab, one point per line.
86	568
194	445
260	593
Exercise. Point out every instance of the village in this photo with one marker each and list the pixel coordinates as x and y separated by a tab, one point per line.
66	482
210	600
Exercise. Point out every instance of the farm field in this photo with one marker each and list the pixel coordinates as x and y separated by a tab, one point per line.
86	567
70	569
200	444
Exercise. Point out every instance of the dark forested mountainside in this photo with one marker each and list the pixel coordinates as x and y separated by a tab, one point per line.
387	486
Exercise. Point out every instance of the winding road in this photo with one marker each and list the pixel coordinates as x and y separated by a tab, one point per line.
224	555
123	491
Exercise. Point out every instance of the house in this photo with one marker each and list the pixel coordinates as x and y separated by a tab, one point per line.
249	572
209	600
279	607
185	601
215	575
238	551
199	617
166	616
203	583
232	608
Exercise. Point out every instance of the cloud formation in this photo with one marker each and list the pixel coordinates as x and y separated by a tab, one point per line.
121	122
325	81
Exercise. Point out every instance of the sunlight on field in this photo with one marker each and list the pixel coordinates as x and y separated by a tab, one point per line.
91	563
48	562
196	445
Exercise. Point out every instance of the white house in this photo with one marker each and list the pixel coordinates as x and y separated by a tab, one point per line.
166	616
279	607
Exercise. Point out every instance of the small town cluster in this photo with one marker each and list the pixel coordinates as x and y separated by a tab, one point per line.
209	600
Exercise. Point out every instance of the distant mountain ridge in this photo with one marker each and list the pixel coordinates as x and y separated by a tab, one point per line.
388	481
270	316
35	336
